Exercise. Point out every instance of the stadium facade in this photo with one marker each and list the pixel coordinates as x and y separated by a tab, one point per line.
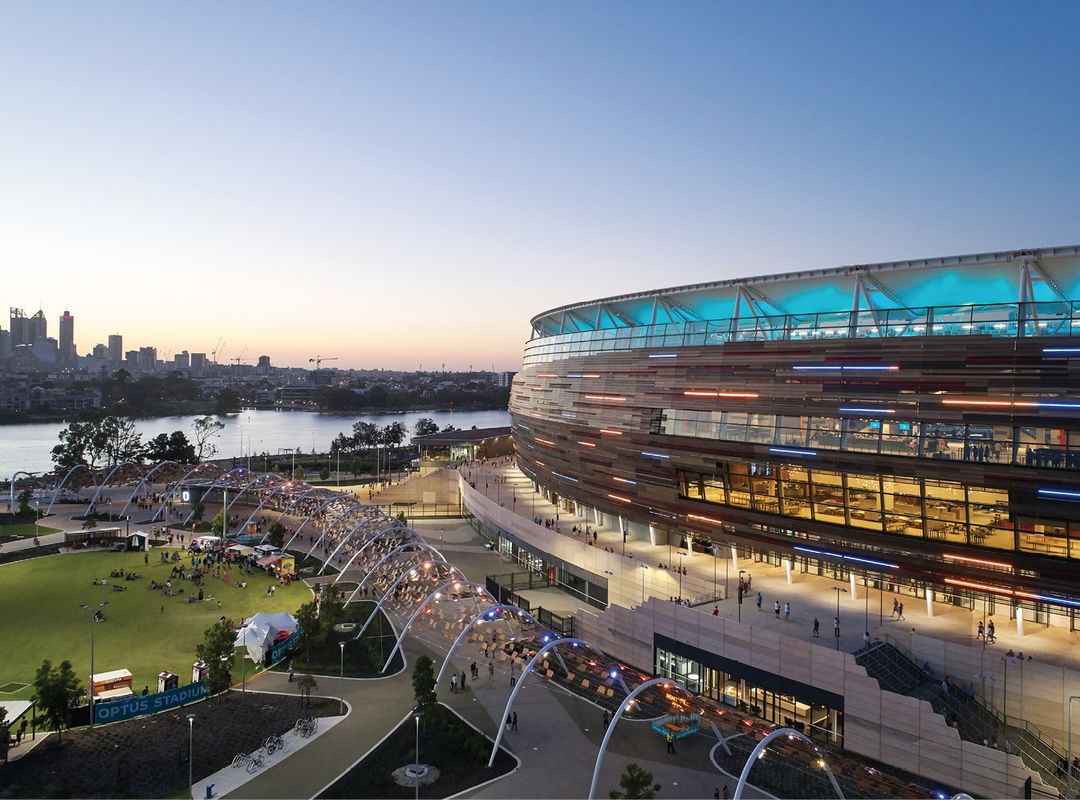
915	422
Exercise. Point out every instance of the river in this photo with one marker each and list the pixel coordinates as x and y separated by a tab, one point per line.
28	447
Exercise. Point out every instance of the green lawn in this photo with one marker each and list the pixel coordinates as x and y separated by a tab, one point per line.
40	598
25	529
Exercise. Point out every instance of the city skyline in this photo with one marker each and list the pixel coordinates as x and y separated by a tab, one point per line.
395	186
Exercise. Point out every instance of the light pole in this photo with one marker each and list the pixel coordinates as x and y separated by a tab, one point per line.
1068	749
341	689
643	568
681	557
93	619
716	587
243	674
741	592
417	714
190	749
836	624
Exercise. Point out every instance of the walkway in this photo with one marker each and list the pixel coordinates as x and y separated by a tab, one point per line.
810	596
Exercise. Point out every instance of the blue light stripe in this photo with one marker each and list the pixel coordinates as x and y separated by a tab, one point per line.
564	477
1061	350
847	558
654	455
663	355
1059	494
867	411
786	452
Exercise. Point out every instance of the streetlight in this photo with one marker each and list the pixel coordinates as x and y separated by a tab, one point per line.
681	556
1069	755
643	568
417	714
341	693
741	584
190	737
93	619
836	624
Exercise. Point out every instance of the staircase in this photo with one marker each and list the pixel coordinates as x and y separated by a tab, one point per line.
895	672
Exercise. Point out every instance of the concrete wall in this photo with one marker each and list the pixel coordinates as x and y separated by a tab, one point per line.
901	731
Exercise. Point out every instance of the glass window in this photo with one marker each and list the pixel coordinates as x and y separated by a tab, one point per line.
902	498
761	428
991	443
864	501
739	485
734	427
793	431
828	497
825	433
946	511
795	491
1041	447
1040	535
988	510
899	437
862	435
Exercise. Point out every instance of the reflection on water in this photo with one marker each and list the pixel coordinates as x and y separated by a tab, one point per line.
27	447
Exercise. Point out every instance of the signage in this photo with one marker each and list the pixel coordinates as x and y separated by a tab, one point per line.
137	705
279	650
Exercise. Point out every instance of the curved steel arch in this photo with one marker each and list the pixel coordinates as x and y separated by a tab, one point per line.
105	481
307	519
382	534
615	719
11	502
60	485
336	497
169	495
380	562
776	734
294	501
394	585
422	606
524	673
349	534
142	483
461	636
258	508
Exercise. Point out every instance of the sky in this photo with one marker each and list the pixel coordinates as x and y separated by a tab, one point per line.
405	184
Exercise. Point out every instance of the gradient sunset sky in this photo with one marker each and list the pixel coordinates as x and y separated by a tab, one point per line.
407	183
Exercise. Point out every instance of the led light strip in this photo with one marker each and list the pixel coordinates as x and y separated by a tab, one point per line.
1062	350
564	477
968	560
583	375
847	558
617	479
548	442
783	451
613	397
610	432
700	518
586	444
1059	494
546	375
867	410
1011	403
998	590
647	454
618	498
845	368
702	393
663	355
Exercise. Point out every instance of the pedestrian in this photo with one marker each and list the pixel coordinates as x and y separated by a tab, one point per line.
787	611
716	611
749	581
982	631
514	724
462	682
900	611
759	599
474	670
836	627
716	793
453	683
895	606
509	721
491	670
513	674
607	719
725	795
866	639
991	636
670	742
776	608
290	672
817	628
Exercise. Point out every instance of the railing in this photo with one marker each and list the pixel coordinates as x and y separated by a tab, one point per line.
1044	757
505	587
999	320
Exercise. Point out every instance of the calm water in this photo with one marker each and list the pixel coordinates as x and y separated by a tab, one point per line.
27	447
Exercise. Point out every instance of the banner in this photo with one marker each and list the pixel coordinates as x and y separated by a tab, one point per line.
137	705
279	650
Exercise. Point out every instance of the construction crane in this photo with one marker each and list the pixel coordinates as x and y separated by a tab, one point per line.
317	361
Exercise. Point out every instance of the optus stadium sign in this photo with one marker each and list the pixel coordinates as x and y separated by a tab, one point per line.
138	705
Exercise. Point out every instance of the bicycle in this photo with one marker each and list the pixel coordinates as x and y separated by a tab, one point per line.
274	743
306	726
255	762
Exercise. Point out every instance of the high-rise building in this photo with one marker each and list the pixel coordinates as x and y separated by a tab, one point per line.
20	328
131	360
67	338
198	363
39	328
264	361
147	359
182	360
5	344
101	352
116	348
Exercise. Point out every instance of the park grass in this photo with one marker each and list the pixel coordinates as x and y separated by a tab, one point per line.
40	599
24	530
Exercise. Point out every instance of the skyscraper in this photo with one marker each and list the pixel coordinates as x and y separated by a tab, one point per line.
67	338
39	328
116	348
20	328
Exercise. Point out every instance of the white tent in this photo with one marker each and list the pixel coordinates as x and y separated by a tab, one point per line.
260	631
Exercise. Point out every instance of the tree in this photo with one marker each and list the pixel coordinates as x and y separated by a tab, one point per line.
174	447
5	735
636	783
365	434
307	621
449	429
206	429
217	524
299	473
425	426
423	683
324	473
394	434
306	684
120	441
89	522
276	534
56	690
100	438
227	401
25	496
332	605
356	466
216	652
